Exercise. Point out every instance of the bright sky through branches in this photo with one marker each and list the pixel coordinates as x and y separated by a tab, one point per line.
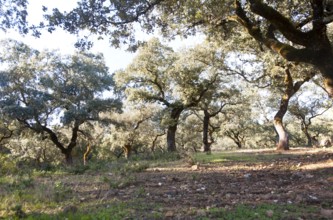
60	40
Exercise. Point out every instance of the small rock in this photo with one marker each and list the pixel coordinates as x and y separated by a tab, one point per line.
312	200
269	213
195	167
228	195
201	212
247	175
169	214
313	197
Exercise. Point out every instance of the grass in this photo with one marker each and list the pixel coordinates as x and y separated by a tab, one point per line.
25	191
29	193
110	210
262	212
222	157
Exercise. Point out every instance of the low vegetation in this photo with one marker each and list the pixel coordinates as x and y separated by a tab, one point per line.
257	184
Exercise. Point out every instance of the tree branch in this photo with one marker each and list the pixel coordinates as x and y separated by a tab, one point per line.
281	23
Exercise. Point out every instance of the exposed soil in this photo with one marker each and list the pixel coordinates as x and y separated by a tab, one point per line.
300	177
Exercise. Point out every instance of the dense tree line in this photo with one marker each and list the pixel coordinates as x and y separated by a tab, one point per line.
264	67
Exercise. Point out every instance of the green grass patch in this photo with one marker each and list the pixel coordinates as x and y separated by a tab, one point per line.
263	212
134	209
221	157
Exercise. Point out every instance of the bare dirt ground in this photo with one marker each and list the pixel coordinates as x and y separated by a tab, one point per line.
299	181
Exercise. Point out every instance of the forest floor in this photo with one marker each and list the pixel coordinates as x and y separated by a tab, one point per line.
249	184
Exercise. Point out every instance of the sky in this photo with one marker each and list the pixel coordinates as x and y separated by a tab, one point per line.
64	42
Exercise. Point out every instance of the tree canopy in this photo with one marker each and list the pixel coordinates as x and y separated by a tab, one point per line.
43	89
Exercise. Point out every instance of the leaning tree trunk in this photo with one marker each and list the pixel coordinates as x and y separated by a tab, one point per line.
87	154
172	128
291	89
283	142
239	144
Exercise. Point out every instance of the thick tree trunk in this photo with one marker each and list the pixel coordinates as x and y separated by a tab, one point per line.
239	144
205	140
309	142
171	138
291	89
67	151
68	157
283	143
172	128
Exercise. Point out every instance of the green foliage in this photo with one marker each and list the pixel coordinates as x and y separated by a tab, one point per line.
7	165
13	15
43	88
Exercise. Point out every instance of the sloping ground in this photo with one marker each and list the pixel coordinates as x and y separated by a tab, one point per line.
297	184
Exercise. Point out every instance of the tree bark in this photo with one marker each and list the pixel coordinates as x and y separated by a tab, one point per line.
171	138
315	45
205	140
172	128
128	150
291	89
239	144
68	157
283	143
86	154
67	151
155	140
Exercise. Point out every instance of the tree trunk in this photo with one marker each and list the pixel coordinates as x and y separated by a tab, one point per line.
239	144
325	66
171	138
305	130
86	154
172	128
128	150
67	151
68	157
206	142
309	142
291	89
283	143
